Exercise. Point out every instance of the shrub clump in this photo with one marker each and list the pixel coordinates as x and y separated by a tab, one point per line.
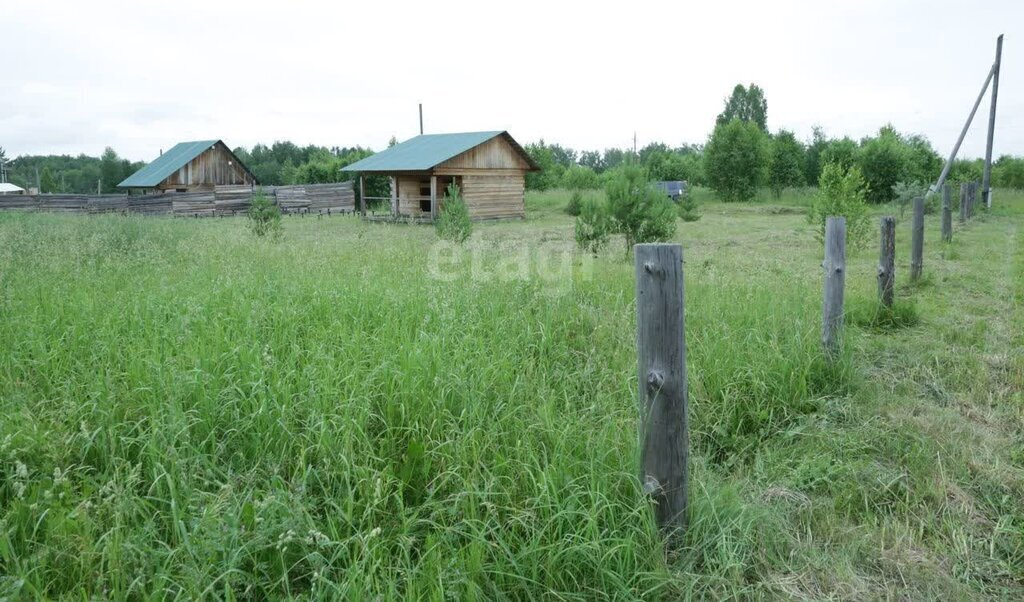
635	209
640	212
575	203
453	223
593	226
264	216
841	192
688	211
904	194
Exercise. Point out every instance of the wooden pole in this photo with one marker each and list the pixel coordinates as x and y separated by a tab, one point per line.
362	195
947	213
887	260
661	368
970	200
394	195
963	202
835	279
963	133
433	198
986	182
917	240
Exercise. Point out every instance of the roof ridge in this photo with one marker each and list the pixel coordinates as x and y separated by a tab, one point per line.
427	151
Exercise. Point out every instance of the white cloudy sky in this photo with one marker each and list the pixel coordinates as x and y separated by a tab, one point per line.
79	76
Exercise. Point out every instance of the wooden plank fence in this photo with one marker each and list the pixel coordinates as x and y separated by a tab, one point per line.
223	200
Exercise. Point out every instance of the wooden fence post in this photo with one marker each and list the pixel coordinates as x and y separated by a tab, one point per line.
947	213
362	196
661	367
970	200
835	279
887	260
963	202
974	199
917	240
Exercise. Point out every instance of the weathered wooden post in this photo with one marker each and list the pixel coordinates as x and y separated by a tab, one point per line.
963	202
661	367
835	279
917	240
362	196
947	213
970	200
887	260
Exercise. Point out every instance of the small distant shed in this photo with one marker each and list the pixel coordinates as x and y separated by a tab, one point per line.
191	166
488	167
8	188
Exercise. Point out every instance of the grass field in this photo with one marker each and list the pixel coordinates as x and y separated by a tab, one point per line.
358	412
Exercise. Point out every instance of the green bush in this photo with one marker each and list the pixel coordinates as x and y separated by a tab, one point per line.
786	161
641	213
593	226
843	193
580	177
1008	172
736	160
264	216
688	208
883	162
454	223
575	203
905	192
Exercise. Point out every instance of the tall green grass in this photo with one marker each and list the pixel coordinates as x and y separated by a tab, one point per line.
191	411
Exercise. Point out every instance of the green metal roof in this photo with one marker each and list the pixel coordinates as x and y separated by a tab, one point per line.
427	151
166	164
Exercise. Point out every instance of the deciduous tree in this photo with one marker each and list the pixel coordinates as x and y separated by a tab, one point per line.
746	104
785	167
736	160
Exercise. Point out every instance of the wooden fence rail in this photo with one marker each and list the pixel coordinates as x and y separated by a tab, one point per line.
220	201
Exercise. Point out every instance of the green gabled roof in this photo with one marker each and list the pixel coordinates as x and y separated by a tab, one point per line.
166	164
427	151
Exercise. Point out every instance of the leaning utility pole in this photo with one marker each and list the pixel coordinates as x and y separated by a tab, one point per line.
963	134
986	182
993	76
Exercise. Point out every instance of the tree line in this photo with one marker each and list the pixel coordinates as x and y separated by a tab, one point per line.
280	163
742	156
739	157
71	175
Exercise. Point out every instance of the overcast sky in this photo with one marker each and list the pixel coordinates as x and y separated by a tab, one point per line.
80	76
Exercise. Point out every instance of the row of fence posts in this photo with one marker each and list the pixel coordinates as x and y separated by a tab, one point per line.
661	342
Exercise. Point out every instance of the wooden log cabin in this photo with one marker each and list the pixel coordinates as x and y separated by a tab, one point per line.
190	167
488	167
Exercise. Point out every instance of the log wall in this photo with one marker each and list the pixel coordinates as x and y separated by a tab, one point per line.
495	196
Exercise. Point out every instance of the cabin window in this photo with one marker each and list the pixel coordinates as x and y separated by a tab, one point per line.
425	196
